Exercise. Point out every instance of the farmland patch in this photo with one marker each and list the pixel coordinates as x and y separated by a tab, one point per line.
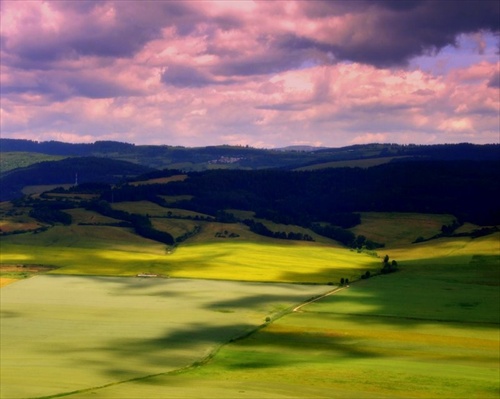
65	333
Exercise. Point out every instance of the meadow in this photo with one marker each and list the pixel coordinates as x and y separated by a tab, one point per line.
429	330
14	160
400	229
67	333
410	334
115	251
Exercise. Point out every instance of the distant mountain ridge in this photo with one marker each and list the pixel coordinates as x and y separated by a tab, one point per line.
244	157
304	148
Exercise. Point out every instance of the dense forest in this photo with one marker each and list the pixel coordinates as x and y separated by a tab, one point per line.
67	171
461	180
466	189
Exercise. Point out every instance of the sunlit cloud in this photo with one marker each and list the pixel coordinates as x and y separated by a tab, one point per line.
266	74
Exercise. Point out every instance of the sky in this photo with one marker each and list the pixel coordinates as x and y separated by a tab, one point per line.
261	73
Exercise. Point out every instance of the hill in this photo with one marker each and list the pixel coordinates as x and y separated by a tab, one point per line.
323	205
244	157
465	189
196	266
67	171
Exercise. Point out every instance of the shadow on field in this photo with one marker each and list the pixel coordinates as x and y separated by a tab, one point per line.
455	289
293	347
331	275
135	357
8	314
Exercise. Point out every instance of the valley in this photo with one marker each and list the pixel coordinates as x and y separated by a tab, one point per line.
324	283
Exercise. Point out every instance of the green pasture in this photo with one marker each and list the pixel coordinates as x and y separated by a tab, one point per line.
141	208
354	163
446	253
214	232
427	331
175	227
68	333
14	160
81	215
154	210
400	229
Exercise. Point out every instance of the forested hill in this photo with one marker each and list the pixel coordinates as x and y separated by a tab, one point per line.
467	189
244	157
67	171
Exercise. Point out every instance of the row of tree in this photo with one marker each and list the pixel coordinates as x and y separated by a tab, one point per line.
261	229
141	224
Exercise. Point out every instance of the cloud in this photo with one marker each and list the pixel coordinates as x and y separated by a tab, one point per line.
185	76
386	33
262	73
271	37
44	32
494	82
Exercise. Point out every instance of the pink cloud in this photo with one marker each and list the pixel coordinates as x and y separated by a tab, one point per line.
258	73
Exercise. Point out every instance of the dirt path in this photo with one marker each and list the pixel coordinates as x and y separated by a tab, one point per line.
335	290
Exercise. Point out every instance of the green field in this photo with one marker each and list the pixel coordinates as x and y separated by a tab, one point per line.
352	163
411	334
429	330
400	229
154	210
67	333
14	160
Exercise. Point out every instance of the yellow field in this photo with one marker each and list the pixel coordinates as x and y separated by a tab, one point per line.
102	250
259	261
5	281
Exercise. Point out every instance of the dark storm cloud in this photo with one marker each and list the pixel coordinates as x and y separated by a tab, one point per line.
61	86
495	80
390	32
90	28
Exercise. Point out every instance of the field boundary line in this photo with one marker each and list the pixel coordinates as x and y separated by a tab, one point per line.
334	291
202	361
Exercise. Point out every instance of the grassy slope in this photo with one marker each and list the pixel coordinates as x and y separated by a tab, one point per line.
104	250
400	229
432	328
418	333
13	160
355	163
16	219
66	333
154	210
